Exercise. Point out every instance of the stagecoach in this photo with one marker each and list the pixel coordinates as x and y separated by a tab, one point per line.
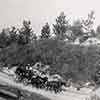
34	76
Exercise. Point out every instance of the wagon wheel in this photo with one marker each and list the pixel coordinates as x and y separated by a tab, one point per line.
25	82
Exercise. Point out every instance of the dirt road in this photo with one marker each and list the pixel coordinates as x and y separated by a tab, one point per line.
67	95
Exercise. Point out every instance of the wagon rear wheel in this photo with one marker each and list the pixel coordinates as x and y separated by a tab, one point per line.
25	82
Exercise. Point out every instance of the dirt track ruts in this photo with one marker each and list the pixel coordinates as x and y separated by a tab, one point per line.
67	95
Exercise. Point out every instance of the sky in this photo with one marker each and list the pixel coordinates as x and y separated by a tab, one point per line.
12	12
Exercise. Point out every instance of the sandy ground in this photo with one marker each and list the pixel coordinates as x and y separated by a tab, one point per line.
69	94
1	98
97	92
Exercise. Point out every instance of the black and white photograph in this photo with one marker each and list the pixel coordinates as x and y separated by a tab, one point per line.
49	50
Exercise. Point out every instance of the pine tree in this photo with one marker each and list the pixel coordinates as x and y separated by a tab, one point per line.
89	22
61	26
45	32
26	34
